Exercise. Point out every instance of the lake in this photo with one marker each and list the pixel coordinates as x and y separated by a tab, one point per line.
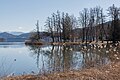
18	59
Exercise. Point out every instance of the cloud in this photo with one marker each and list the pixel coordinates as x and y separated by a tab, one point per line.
19	27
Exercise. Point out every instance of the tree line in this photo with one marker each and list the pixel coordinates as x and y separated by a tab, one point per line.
91	25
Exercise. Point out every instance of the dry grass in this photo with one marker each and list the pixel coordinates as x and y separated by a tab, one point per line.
107	72
79	42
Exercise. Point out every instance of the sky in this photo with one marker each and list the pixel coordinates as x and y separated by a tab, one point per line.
22	15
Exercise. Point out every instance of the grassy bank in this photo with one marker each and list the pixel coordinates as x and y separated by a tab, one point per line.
108	72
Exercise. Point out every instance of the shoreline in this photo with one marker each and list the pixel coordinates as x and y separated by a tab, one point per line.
107	72
100	43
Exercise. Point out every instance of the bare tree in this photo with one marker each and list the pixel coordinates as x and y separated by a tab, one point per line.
66	26
114	13
73	23
59	25
103	32
38	32
92	24
50	28
35	34
97	22
84	21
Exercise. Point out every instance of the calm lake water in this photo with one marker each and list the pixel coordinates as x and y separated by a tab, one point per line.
17	58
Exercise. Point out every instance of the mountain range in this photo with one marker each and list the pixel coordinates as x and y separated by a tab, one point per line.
18	36
14	36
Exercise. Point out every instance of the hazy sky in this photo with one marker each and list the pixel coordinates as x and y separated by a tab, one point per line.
21	15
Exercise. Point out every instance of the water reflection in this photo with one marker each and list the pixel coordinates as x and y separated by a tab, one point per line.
15	59
61	58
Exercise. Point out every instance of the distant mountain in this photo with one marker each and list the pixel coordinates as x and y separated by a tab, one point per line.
16	33
6	35
24	35
9	37
14	38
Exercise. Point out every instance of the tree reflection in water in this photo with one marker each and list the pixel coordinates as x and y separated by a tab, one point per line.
62	58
